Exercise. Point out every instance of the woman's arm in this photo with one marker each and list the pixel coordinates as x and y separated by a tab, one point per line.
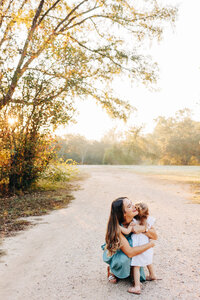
133	251
151	233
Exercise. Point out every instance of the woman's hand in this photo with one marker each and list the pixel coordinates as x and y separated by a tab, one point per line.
133	251
151	233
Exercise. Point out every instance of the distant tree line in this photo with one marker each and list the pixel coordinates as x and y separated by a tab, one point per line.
174	141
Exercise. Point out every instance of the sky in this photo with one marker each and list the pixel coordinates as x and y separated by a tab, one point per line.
178	87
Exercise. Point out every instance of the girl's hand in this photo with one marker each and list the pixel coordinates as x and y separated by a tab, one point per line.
129	228
131	225
138	228
133	228
152	243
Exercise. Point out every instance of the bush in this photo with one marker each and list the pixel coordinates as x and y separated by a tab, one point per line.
60	171
23	157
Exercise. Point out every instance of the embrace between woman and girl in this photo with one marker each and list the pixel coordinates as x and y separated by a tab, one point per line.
129	245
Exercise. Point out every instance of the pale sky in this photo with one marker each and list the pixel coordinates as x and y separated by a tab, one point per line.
178	57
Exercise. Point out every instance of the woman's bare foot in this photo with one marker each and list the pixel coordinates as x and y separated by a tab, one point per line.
111	277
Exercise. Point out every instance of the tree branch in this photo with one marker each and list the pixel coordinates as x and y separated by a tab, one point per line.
81	14
18	70
76	24
71	12
46	13
101	54
9	5
97	30
52	35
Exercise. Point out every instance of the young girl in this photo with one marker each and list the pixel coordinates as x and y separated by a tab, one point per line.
145	258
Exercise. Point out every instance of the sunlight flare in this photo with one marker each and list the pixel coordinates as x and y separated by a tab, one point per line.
12	121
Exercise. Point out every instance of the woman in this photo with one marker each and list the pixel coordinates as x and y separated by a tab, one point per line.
118	249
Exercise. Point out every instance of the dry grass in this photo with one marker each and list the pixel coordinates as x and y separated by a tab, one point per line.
181	174
196	191
34	203
44	197
14	209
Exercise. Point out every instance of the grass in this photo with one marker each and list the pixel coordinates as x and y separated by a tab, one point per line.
2	252
196	191
181	174
34	203
45	196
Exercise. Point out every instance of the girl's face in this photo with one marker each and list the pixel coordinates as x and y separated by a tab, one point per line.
130	210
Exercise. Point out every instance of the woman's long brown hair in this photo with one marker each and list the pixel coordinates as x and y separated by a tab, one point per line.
113	230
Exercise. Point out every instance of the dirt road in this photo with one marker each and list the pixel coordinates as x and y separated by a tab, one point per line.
60	258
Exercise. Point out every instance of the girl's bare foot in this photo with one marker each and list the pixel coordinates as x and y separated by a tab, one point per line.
151	278
135	290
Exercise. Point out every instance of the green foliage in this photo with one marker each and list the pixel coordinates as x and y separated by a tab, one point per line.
175	141
25	152
95	153
79	149
60	171
66	49
54	51
118	155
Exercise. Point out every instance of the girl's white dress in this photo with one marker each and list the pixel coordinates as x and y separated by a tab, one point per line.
145	258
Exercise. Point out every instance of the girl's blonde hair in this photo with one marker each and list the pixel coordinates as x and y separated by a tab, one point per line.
143	212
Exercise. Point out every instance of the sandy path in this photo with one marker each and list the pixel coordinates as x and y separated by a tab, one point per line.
60	258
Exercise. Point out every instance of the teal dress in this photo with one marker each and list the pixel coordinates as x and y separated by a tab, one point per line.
120	263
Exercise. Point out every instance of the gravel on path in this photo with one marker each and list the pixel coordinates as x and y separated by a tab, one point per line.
60	258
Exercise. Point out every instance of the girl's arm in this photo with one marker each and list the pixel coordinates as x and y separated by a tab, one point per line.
129	229
133	251
125	230
151	233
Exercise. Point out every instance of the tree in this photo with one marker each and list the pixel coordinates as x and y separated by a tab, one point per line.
24	154
53	51
174	141
95	153
178	139
65	48
79	149
73	147
135	144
